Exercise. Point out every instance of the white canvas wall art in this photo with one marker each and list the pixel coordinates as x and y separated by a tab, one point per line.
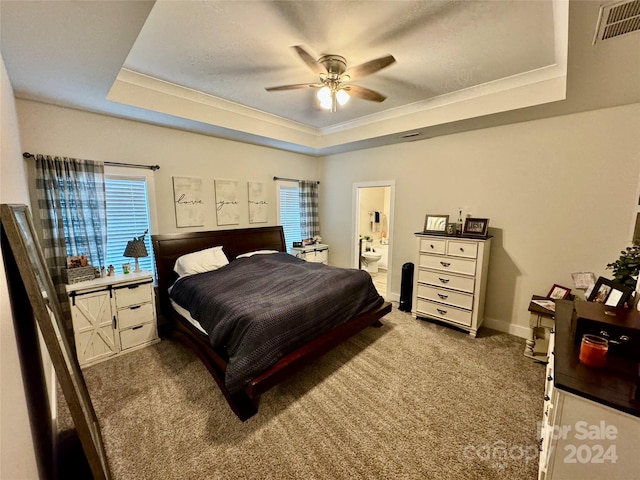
257	202
227	202
187	195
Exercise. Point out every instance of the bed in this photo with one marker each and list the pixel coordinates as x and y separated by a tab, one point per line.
244	400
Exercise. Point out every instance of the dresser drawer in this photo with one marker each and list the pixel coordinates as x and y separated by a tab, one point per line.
139	335
449	297
133	294
462	249
441	279
433	245
135	315
445	312
448	264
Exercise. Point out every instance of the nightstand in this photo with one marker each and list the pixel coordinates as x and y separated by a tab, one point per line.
112	315
539	317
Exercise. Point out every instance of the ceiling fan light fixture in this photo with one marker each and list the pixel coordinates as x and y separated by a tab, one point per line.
324	96
342	96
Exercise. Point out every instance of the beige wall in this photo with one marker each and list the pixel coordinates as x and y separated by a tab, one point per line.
17	452
60	131
559	192
560	195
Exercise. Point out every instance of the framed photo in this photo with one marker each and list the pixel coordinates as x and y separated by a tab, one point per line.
435	223
476	227
610	293
558	292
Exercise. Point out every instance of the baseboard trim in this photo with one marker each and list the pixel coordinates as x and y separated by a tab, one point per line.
502	326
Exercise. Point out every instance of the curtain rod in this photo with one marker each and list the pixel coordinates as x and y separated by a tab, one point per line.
111	164
290	179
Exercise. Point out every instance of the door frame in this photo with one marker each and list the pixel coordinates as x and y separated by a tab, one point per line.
355	221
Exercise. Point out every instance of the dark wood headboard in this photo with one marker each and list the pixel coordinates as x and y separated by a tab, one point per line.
168	247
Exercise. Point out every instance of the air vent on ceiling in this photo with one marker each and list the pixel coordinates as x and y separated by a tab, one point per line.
411	136
617	19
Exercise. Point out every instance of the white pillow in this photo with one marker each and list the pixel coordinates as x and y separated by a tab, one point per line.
200	262
256	252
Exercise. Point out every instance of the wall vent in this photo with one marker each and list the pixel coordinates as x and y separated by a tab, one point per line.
617	19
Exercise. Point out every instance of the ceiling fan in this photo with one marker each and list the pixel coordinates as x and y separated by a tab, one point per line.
333	73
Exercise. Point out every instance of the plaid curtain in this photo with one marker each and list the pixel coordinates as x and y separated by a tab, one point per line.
309	220
72	212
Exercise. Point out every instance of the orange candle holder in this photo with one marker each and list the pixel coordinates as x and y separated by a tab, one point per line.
593	350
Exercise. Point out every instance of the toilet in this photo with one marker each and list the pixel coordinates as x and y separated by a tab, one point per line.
371	259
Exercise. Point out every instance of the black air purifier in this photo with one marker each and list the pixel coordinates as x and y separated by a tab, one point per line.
406	287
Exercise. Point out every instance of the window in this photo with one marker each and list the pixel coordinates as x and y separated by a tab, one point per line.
127	217
289	212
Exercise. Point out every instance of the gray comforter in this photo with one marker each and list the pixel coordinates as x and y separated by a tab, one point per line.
260	308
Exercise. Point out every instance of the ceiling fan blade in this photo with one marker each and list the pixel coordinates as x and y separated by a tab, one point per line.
293	87
364	93
311	62
370	67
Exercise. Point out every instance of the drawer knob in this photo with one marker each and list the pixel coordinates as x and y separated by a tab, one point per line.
445	264
136	328
461	249
442	296
443	280
441	312
432	246
135	307
131	287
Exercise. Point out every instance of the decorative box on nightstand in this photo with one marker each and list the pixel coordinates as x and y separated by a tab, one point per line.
112	315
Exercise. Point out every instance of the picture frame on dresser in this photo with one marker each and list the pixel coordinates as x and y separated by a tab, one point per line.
476	227
435	223
31	283
559	292
610	293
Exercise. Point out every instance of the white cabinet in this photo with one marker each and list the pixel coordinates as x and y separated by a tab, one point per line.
581	439
112	315
313	253
450	280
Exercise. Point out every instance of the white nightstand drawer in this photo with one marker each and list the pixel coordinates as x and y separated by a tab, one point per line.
445	312
137	335
133	294
449	297
462	249
135	315
441	279
433	245
448	264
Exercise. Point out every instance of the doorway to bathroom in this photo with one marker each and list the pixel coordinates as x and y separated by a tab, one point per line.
373	231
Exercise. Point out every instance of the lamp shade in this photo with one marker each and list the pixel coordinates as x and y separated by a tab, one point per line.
136	249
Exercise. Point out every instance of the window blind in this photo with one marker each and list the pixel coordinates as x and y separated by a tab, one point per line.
127	217
290	215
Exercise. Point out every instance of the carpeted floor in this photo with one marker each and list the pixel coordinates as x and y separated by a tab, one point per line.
410	400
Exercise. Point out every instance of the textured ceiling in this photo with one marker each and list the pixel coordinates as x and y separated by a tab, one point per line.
203	65
233	50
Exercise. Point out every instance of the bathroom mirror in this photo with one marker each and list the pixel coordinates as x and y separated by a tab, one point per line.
20	247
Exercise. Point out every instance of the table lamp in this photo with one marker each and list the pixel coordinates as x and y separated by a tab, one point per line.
136	249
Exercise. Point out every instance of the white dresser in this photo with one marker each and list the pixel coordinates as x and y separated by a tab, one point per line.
112	315
450	280
318	253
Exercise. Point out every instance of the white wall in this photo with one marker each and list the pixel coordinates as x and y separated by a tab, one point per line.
560	195
17	452
60	131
